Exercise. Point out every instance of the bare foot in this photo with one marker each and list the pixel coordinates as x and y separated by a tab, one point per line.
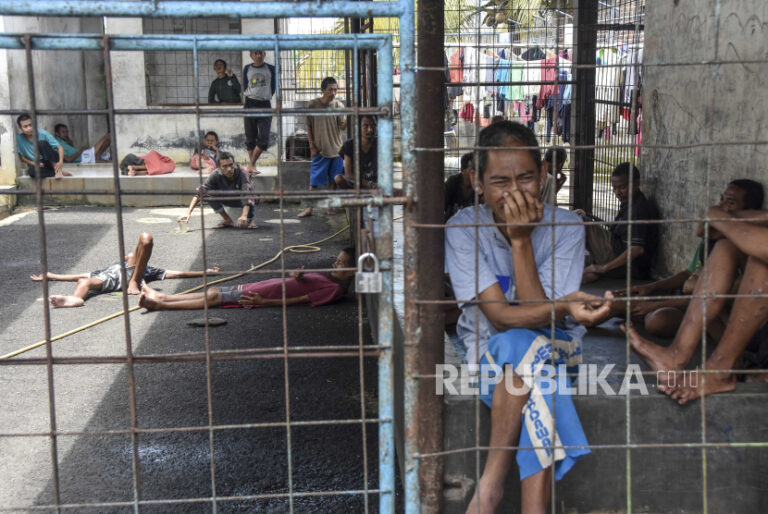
252	171
689	385
133	288
306	212
66	173
60	301
657	357
252	225
224	224
757	377
485	500
148	303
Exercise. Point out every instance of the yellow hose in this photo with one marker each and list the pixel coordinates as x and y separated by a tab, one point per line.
307	248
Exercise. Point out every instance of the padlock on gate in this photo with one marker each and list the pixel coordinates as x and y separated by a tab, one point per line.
368	282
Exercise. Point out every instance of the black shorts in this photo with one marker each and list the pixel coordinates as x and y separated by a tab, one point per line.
257	128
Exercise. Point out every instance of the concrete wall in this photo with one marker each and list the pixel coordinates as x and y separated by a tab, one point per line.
171	135
702	103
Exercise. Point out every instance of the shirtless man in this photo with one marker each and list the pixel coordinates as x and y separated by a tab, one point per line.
740	245
109	279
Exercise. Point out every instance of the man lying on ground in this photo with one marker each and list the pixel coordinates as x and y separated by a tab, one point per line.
109	279
313	288
741	245
85	154
662	317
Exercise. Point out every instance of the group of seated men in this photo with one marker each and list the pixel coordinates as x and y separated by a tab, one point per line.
513	277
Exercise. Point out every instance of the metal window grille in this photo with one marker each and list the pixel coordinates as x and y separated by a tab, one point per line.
136	444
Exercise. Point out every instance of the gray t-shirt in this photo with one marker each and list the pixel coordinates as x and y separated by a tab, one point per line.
259	82
326	130
495	265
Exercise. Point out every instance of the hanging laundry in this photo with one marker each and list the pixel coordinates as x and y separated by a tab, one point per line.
533	54
455	74
468	112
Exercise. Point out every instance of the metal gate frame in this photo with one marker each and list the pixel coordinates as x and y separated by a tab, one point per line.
402	9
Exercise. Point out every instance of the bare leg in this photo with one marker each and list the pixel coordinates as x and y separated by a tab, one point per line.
60	278
101	145
748	315
535	492
254	156
506	411
77	299
663	322
154	301
721	272
139	259
308	211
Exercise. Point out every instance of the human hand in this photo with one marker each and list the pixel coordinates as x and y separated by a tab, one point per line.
589	310
690	285
635	291
183	218
298	275
640	309
229	72
214	269
251	299
313	151
597	269
242	221
36	278
521	207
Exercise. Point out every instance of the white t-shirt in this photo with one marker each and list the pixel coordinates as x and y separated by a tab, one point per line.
494	265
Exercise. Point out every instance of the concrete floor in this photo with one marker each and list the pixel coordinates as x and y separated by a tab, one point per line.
95	397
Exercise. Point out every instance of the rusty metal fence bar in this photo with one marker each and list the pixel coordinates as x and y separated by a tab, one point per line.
383	46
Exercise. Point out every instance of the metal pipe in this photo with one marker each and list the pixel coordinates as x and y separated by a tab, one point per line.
386	301
423	357
584	100
175	9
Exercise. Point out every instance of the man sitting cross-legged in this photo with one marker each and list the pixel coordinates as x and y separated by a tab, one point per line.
508	307
742	245
109	279
300	287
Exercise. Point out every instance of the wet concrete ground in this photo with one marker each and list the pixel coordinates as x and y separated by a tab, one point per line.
231	459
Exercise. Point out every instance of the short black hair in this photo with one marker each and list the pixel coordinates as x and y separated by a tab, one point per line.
211	133
58	126
622	170
22	117
350	250
326	81
226	155
753	192
220	61
500	134
559	152
466	159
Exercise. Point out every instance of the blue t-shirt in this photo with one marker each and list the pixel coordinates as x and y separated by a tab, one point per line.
27	148
495	266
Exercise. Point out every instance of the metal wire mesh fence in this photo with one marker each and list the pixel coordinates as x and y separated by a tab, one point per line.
574	75
138	434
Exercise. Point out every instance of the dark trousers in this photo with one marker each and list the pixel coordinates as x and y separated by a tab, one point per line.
257	129
50	156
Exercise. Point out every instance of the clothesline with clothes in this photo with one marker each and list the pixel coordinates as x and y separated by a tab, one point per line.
500	81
